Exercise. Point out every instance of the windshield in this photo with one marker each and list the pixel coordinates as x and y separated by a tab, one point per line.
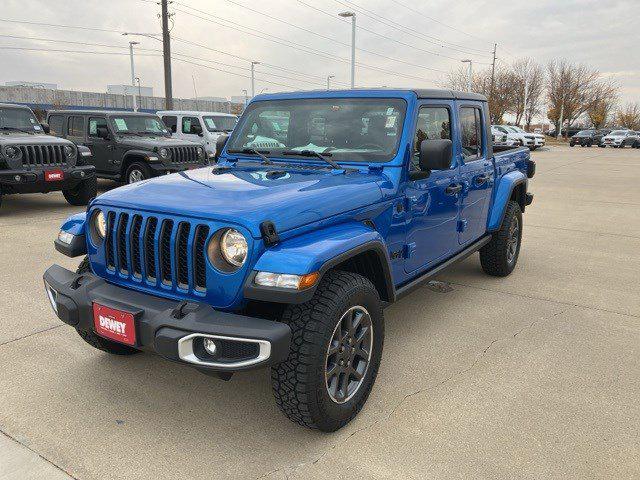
618	133
18	119
517	130
220	123
350	129
584	133
139	124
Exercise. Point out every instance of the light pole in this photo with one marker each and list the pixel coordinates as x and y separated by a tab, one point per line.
253	78
133	75
470	74
329	77
353	45
139	92
246	98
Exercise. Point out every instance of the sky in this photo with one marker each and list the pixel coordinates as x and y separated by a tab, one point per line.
403	43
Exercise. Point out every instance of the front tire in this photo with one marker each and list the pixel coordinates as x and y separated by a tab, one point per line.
499	257
82	193
137	172
335	352
96	341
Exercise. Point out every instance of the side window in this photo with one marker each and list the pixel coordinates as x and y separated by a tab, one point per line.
94	123
55	124
171	122
75	127
471	132
188	123
434	123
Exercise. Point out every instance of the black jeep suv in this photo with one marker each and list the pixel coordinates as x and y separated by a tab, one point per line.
33	162
126	146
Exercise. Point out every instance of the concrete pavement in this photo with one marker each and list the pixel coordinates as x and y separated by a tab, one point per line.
536	375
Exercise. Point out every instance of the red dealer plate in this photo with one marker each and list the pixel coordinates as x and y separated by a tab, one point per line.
53	175
114	324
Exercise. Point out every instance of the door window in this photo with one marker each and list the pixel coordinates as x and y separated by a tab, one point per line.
75	127
55	124
171	122
471	133
94	123
434	123
188	124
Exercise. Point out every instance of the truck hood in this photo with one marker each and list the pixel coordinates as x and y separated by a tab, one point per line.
249	196
18	138
151	142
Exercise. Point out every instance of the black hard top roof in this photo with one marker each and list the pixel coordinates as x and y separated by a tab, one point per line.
449	94
13	105
100	112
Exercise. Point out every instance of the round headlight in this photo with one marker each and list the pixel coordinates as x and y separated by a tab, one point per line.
12	152
69	151
200	152
164	153
233	247
100	223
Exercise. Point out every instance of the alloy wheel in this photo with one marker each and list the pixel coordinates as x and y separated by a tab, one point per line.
514	238
135	176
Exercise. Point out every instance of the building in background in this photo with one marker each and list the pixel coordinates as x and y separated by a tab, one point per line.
130	90
20	83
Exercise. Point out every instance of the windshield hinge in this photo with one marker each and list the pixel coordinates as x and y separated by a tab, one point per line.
375	168
269	234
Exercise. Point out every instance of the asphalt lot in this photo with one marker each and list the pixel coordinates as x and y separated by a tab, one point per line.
536	375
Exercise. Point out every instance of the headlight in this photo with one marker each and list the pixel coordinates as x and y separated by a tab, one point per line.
69	151
286	280
99	227
233	247
164	153
201	153
12	153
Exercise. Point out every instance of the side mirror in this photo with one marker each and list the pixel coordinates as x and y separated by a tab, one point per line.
220	143
45	128
103	133
196	129
435	155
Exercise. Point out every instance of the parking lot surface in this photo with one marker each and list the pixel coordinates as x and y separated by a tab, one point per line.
536	375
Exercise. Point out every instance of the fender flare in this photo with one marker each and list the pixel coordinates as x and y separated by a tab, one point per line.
319	251
136	153
503	193
76	226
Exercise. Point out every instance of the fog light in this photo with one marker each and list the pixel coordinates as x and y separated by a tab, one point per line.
209	346
65	237
17	178
53	296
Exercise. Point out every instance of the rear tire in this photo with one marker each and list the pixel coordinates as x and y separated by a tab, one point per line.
330	371
96	341
137	172
500	256
82	193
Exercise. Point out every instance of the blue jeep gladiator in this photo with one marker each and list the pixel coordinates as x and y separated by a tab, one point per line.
323	208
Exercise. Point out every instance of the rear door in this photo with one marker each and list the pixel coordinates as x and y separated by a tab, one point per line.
76	129
476	172
432	203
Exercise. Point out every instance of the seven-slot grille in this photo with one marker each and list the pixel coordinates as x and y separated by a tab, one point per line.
43	155
184	154
171	252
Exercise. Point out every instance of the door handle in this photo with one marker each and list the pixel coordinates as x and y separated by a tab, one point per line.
453	189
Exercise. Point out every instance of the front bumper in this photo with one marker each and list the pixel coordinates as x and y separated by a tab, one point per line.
174	330
33	181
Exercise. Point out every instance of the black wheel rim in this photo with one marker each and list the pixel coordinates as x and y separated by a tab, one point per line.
349	354
512	242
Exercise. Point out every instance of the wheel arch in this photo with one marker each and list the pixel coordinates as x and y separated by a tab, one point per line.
513	186
133	156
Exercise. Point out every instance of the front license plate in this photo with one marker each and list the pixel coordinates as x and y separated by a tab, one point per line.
53	175
114	324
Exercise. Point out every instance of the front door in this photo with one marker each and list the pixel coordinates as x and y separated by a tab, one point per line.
192	130
432	203
102	151
476	173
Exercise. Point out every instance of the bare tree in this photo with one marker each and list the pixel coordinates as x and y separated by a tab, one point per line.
529	88
629	116
604	96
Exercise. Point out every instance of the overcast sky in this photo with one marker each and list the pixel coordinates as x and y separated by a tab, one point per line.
603	34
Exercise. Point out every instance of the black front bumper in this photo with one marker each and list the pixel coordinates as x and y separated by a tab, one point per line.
170	328
33	181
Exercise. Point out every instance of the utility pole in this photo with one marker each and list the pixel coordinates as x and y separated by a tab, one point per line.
353	45
526	99
195	92
469	74
493	69
166	53
139	92
329	77
559	132
253	78
133	75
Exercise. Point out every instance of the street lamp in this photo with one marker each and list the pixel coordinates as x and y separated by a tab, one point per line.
246	97
133	75
353	44
470	74
139	91
329	77
253	78
148	35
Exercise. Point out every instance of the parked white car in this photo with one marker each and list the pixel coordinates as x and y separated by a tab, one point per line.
617	138
200	127
538	137
502	138
513	138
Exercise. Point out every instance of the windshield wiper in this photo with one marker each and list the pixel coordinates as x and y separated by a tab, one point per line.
311	153
252	151
15	129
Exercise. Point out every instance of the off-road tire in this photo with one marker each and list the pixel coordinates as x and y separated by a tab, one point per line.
143	168
299	383
82	193
494	256
96	341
